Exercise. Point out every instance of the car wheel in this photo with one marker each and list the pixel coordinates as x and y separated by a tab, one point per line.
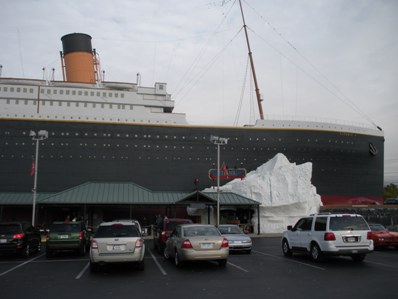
177	260
222	263
285	248
316	253
358	257
94	267
26	251
166	254
82	250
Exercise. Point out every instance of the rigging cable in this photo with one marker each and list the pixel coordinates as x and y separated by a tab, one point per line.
342	97
188	74
200	74
242	94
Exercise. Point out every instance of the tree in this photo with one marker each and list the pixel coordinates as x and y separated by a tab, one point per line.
390	190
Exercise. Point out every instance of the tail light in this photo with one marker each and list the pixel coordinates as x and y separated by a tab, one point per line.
369	236
94	245
163	236
18	236
329	237
224	243
139	243
81	235
186	244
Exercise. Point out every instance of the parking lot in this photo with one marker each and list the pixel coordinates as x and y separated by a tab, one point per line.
265	273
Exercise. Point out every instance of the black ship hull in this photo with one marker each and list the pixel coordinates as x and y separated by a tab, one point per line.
347	167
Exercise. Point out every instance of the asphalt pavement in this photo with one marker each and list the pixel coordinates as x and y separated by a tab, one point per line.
265	273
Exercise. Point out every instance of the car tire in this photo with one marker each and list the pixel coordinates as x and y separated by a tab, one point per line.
177	260
285	248
316	253
166	254
222	263
82	250
358	257
26	251
94	267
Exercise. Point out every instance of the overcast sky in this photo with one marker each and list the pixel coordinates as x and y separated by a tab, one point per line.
323	59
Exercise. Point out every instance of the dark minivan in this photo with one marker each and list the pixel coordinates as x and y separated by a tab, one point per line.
20	238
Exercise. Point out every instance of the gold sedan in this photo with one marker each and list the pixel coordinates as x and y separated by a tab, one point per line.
194	242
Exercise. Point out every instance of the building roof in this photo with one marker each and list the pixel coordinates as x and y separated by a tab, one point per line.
123	193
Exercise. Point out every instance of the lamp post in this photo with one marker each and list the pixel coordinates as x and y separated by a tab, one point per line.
218	141
36	136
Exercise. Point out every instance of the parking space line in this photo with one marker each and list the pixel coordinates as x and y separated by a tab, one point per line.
20	265
380	264
237	267
82	271
290	260
157	263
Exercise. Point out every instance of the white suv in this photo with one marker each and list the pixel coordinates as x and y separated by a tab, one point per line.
329	234
117	242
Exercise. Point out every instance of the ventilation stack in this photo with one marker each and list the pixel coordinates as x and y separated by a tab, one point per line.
78	59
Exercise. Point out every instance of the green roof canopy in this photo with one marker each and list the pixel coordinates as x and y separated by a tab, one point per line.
123	193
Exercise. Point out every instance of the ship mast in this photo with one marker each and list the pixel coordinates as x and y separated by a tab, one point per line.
260	108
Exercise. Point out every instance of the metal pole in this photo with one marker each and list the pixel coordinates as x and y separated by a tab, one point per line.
218	184
35	183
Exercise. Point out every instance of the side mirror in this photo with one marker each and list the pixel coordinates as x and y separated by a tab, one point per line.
289	227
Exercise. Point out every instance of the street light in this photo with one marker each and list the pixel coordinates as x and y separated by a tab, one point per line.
40	135
218	141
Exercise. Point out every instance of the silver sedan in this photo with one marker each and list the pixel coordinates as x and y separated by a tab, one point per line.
193	242
237	240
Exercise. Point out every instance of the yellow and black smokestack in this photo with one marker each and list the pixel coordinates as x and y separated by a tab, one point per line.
78	58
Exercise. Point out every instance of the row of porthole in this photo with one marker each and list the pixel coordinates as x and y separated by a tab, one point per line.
158	136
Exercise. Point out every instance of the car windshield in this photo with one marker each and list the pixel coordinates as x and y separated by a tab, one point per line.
65	227
230	229
377	227
9	229
201	231
113	231
348	223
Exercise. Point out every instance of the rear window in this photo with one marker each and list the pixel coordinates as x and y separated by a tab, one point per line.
114	231
348	223
171	225
201	231
9	229
65	227
229	229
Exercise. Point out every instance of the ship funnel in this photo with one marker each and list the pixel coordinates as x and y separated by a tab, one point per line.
78	59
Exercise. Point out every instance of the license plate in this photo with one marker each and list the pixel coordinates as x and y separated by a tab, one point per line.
117	248
64	237
350	239
3	240
237	242
206	245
